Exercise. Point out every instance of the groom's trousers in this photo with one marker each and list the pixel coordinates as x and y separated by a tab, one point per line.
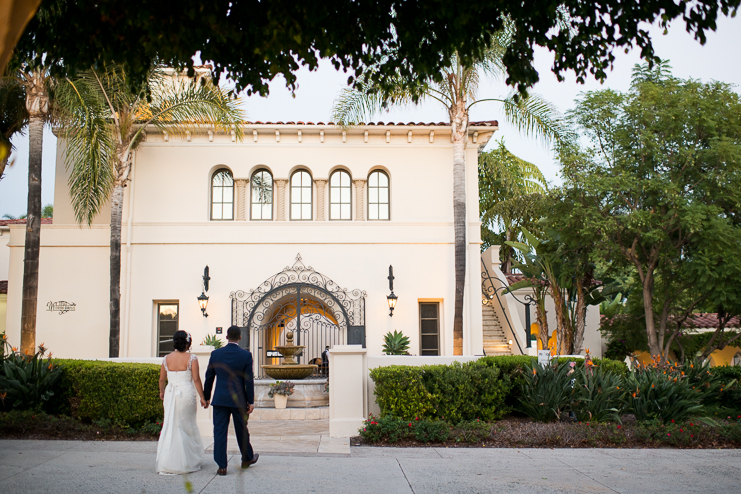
221	426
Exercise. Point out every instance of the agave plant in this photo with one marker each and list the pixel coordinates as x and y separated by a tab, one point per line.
545	392
212	340
395	343
26	381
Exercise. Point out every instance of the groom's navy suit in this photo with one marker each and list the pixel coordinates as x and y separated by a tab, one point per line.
235	391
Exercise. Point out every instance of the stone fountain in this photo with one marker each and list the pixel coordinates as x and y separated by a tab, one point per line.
289	369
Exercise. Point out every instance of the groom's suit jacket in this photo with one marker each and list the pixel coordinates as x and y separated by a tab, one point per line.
232	368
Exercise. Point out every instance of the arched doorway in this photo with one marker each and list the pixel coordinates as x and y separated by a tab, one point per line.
304	301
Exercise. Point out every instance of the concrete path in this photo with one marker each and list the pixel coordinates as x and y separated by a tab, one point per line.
127	467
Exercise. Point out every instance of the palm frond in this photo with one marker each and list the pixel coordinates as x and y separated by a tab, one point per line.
534	116
364	101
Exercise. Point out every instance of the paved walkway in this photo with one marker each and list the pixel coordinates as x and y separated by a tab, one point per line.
127	467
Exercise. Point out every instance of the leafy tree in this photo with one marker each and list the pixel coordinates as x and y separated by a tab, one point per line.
510	198
13	116
104	123
283	35
658	189
531	115
46	212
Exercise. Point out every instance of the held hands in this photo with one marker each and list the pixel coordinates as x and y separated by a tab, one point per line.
204	403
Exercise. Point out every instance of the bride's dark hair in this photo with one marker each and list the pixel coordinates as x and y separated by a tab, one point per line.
181	340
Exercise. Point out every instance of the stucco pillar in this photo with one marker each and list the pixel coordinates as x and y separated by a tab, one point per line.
348	369
359	199
241	197
280	198
321	187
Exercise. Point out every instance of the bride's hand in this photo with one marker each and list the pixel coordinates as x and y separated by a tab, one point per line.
204	403
162	395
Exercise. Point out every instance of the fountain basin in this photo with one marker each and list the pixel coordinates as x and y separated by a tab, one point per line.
308	393
286	372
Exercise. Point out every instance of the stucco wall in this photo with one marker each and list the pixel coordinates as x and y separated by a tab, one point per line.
172	240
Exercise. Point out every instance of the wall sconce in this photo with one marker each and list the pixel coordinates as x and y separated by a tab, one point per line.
203	298
391	298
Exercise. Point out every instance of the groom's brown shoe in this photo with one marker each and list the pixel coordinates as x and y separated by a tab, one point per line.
246	464
221	471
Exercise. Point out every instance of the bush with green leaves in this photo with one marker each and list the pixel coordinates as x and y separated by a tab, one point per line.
127	394
26	381
545	392
395	343
598	395
455	392
655	394
730	396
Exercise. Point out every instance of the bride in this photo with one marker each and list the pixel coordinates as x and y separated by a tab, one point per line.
180	448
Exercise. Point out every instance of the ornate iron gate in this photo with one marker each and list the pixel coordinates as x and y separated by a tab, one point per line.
298	299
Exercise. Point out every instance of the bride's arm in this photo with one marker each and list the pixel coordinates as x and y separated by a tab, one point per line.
163	378
194	369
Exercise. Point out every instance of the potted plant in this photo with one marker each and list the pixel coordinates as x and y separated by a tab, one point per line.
280	391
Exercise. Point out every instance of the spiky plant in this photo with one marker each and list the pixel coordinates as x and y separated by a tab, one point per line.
395	343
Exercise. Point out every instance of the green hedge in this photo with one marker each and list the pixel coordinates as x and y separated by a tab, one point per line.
730	398
127	394
454	393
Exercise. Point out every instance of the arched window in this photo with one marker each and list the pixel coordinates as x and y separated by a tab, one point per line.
222	195
301	193
261	202
378	196
340	196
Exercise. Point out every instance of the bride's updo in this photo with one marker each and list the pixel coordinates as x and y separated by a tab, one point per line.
181	340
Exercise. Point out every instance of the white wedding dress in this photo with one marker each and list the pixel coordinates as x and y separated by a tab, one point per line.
180	448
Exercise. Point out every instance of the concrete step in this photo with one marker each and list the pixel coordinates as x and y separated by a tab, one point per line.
316	413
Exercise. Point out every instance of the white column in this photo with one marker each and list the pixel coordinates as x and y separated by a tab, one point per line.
204	418
321	187
359	199
280	198
241	197
348	368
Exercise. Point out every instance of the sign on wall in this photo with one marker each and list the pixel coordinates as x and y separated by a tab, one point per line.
60	307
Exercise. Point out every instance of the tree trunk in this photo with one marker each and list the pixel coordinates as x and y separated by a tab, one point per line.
507	251
581	318
564	330
37	104
542	317
115	268
459	122
648	309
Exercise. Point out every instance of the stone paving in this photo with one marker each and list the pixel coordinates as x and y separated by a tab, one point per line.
77	467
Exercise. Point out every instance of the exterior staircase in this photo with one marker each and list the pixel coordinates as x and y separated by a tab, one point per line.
495	341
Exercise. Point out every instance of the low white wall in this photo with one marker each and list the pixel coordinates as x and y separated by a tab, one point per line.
376	361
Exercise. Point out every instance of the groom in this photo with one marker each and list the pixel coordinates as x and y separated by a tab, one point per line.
234	397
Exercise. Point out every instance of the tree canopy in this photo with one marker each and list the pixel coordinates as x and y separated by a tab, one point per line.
253	41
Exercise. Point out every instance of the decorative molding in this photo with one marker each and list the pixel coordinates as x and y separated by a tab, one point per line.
210	135
277	136
344	136
359	199
187	135
300	136
409	136
280	197
432	136
166	136
321	136
241	196
234	136
388	136
321	188
475	137
254	135
365	136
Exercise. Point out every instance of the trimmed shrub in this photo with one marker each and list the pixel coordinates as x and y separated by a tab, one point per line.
730	397
127	394
455	393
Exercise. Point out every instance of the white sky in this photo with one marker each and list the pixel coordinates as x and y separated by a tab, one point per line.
317	91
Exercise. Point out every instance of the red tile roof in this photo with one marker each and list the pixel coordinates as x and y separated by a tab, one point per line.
483	123
44	221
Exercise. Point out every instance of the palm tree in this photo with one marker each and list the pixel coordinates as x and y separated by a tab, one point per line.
34	86
510	196
104	123
457	93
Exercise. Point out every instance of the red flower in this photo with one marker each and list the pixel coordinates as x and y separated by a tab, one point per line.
668	434
410	424
691	424
672	421
680	430
618	426
692	435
